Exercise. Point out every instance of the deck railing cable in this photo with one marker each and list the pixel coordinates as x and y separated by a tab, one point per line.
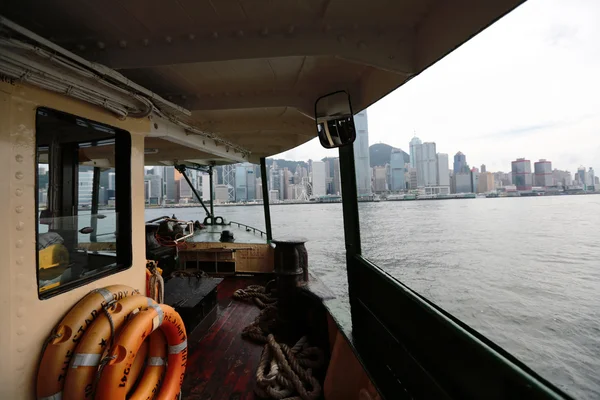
248	227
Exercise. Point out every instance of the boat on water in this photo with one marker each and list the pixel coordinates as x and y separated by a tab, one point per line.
102	304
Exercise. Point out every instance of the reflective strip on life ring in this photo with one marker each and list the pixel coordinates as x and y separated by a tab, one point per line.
116	373
155	368
94	342
65	336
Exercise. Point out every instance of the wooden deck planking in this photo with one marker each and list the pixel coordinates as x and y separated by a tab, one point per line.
222	364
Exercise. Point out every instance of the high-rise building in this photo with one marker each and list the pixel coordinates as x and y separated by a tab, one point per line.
318	178
379	179
412	178
521	174
221	193
273	195
474	179
85	186
460	163
361	154
245	182
590	182
483	168
414	142
170	186
397	170
154	188
485	182
111	181
463	182
443	170
426	164
561	178
543	173
337	182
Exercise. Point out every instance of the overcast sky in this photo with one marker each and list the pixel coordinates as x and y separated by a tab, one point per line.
528	86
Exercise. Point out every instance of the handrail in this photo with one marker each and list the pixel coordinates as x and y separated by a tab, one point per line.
239	224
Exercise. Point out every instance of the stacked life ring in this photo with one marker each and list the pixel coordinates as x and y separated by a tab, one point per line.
84	363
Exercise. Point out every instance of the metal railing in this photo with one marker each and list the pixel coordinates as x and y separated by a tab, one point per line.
248	227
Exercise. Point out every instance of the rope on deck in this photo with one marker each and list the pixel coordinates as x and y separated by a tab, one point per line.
283	372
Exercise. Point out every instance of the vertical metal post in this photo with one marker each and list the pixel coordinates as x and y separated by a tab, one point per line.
212	189
265	190
351	225
95	201
349	201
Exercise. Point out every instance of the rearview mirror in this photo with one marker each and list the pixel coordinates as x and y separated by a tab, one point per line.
335	120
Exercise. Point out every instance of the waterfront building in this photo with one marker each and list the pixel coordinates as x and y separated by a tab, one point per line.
415	141
397	170
170	185
486	182
337	183
221	193
463	182
483	169
581	177
426	164
474	179
361	154
561	178
380	179
273	195
245	182
153	189
443	170
318	179
412	178
542	173
85	187
521	174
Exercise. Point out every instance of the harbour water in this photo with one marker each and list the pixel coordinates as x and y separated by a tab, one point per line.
523	271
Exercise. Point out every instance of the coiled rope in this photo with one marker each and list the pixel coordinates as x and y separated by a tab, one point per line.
283	372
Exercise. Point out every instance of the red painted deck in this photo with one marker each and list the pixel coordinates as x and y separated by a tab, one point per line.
222	364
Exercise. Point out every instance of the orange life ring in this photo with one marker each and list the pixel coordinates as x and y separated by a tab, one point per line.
116	373
156	362
138	365
80	376
65	336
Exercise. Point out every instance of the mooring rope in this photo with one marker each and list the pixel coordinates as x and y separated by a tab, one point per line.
283	372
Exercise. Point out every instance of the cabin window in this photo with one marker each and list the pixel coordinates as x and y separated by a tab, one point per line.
83	201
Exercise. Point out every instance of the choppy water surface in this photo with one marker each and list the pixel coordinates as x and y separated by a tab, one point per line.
523	271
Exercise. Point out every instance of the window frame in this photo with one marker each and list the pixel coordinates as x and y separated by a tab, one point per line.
123	205
412	348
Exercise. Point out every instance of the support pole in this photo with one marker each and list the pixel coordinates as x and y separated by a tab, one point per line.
212	190
349	200
265	190
95	201
181	168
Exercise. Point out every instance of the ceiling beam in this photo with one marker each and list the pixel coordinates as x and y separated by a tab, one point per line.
250	99
384	48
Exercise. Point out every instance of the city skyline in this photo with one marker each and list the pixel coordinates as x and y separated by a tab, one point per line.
516	90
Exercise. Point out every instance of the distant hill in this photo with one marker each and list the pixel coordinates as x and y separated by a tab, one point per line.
379	154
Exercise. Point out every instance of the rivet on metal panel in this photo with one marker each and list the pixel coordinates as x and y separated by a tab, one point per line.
264	31
122	44
22	330
19	158
291	29
240	33
80	47
19	192
168	39
215	35
19	209
19	175
19	244
20	367
21	349
361	45
101	45
21	312
19	261
146	42
20	225
191	36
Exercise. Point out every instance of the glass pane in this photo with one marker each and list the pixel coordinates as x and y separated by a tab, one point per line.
77	216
